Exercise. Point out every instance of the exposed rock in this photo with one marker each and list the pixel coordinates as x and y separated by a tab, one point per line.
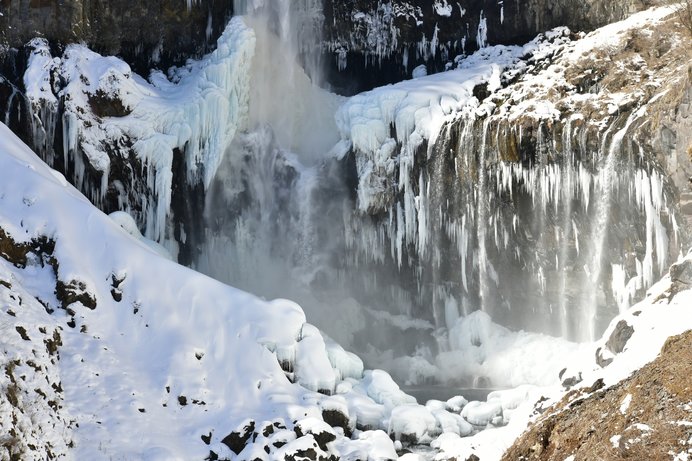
22	332
72	292
603	359
572	381
600	426
554	122
105	105
145	34
322	434
237	440
619	337
335	418
375	43
680	276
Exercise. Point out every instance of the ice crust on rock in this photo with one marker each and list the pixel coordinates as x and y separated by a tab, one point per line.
413	423
432	167
197	111
313	368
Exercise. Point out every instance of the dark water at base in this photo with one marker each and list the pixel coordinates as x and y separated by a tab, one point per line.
425	393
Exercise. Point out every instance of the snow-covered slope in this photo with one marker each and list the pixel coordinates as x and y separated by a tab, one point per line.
147	359
153	355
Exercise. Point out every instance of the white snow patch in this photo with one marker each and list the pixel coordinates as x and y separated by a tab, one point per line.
624	406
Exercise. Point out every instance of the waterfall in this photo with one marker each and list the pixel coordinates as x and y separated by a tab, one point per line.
391	216
286	76
390	238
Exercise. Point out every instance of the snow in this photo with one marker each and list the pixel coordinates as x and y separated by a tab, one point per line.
36	414
175	336
624	406
215	344
455	404
442	8
420	71
654	319
481	348
383	390
346	364
313	368
412	421
371	446
127	222
482	413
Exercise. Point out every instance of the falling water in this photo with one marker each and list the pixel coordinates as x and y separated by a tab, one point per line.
530	239
603	218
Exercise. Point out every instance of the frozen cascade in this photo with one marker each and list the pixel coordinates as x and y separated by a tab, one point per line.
603	217
400	218
261	229
512	235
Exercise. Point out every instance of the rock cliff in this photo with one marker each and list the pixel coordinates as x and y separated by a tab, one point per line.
145	34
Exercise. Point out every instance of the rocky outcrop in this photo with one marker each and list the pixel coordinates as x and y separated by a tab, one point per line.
145	34
374	43
565	155
388	38
645	416
147	148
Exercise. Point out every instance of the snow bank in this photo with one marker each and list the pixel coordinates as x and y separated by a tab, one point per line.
166	355
483	350
413	423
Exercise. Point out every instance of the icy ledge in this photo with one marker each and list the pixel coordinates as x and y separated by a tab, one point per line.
108	108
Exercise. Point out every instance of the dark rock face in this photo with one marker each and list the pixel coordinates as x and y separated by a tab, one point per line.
74	291
237	440
615	344
681	273
370	44
322	438
335	418
681	277
618	339
158	33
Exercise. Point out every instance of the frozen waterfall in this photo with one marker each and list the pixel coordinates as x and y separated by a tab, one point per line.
394	215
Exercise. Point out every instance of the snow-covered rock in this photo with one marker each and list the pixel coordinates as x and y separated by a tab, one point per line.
119	129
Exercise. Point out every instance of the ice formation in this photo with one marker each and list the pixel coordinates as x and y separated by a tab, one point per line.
460	206
193	329
222	359
436	167
195	113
